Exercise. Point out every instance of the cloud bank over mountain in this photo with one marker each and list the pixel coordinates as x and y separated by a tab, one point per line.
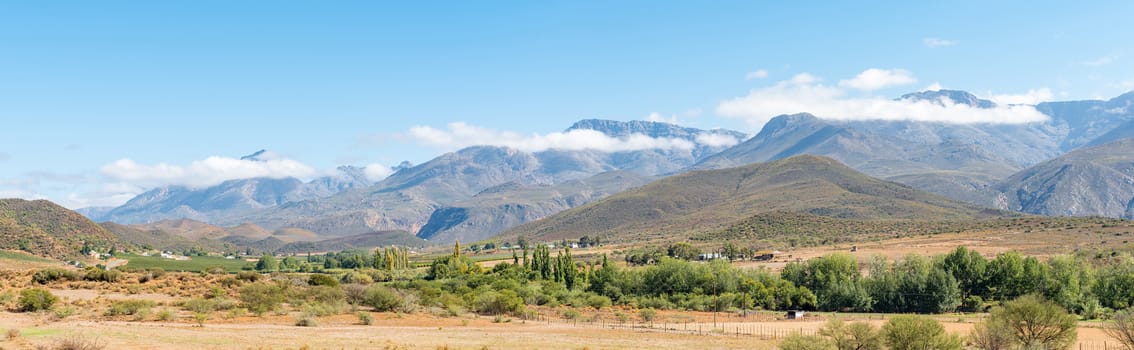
807	93
460	135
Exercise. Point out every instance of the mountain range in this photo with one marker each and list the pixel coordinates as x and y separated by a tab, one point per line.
480	191
705	201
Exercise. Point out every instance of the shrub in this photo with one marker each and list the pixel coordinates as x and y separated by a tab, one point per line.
78	343
216	292
382	298
248	276
854	336
261	297
198	305
647	315
36	299
129	307
356	277
325	308
1123	328
99	275
166	315
322	280
495	303
906	332
200	317
355	294
598	301
570	314
6	297
306	320
364	318
63	312
797	341
46	276
989	336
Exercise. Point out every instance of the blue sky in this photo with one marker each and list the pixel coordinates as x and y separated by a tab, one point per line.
103	100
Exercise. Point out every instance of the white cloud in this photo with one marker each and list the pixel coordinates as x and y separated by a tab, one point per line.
938	42
203	173
1101	61
18	193
875	78
807	95
935	87
460	135
377	172
657	117
1032	97
717	140
758	74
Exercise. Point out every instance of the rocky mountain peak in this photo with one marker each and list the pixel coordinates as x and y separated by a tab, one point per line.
954	96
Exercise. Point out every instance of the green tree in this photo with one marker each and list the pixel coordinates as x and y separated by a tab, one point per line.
1035	323
452	266
836	280
969	268
267	263
683	250
906	332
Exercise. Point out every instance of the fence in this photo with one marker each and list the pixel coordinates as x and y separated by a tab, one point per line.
738	329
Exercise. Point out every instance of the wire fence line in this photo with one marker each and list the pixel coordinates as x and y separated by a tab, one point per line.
755	327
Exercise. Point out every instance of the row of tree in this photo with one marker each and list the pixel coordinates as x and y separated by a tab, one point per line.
964	279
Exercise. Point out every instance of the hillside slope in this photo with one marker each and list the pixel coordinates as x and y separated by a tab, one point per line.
46	229
1090	181
712	200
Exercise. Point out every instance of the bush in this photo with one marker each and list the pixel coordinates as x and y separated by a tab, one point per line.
306	320
364	318
130	307
248	276
46	276
36	299
198	305
322	280
261	297
797	341
570	314
166	315
495	303
905	332
988	336
1123	328
356	277
78	343
382	299
647	315
598	301
854	336
63	312
99	275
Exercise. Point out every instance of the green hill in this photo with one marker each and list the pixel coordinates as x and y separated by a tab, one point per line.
46	229
705	203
